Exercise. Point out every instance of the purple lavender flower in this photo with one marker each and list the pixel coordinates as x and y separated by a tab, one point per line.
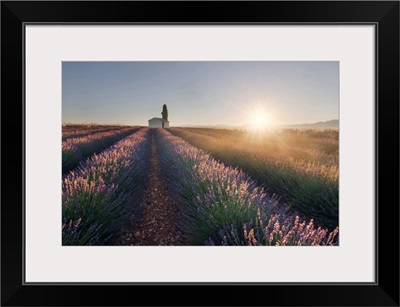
223	205
97	196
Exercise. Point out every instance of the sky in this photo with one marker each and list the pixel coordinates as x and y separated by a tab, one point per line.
200	93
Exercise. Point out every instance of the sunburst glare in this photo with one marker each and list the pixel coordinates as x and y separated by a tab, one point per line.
258	118
259	121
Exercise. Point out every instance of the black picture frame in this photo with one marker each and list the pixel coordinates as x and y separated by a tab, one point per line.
383	14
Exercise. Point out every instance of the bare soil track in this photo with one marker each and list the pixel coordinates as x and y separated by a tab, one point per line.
160	215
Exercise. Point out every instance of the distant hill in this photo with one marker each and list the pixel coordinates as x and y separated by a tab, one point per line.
330	124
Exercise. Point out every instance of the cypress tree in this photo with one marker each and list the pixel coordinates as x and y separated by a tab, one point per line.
164	112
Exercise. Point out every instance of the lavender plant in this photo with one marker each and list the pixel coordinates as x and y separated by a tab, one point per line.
78	148
277	230
99	194
312	189
79	130
220	204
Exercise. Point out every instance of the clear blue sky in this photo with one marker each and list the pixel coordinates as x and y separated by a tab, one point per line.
200	93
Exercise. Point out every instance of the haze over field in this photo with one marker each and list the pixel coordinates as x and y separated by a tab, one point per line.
201	93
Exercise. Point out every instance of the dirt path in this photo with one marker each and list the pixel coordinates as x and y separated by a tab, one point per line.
159	212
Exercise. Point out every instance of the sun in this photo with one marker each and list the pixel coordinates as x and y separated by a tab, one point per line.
258	117
259	120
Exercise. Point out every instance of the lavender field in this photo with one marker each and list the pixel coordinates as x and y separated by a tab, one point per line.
195	186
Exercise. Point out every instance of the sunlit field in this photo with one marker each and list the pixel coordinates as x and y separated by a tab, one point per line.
230	187
301	166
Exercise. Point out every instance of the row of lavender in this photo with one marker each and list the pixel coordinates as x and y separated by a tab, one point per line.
76	149
97	196
75	131
223	206
311	188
